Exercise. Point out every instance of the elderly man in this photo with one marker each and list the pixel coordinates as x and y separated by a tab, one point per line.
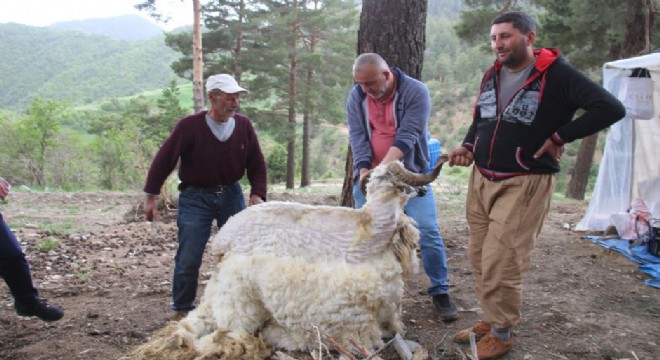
214	149
388	114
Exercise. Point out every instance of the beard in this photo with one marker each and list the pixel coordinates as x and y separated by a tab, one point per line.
514	57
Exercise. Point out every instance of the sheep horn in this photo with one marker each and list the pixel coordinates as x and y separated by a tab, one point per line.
413	179
406	176
364	181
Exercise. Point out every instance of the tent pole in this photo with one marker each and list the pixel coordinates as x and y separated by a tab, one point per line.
632	162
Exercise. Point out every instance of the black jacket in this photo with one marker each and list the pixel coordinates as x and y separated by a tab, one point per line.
504	141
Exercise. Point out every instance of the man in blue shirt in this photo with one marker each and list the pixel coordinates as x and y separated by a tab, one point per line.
387	114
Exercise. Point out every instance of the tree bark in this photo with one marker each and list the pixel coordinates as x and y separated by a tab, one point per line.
238	49
293	68
198	62
291	143
395	30
305	178
347	187
580	174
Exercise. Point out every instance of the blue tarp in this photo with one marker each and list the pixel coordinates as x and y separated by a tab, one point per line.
648	263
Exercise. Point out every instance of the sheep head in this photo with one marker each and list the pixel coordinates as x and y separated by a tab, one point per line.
403	176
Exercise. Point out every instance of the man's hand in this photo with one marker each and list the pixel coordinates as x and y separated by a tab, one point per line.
461	157
4	189
556	151
254	200
393	154
150	208
363	173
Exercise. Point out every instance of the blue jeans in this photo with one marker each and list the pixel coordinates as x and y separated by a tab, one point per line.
434	257
197	210
15	269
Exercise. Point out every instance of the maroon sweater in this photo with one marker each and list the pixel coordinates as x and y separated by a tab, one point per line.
205	161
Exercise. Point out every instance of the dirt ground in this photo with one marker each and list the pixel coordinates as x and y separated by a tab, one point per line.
112	274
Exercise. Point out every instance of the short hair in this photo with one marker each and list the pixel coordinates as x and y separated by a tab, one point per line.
519	20
370	59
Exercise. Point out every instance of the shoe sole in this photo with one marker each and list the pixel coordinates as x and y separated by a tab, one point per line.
449	318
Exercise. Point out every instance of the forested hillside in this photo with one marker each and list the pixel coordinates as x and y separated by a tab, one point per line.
71	66
127	27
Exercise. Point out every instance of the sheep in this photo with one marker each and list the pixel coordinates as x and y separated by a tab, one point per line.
286	272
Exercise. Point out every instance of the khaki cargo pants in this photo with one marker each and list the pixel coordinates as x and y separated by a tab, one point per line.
505	217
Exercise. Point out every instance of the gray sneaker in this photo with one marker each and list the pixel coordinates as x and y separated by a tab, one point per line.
445	308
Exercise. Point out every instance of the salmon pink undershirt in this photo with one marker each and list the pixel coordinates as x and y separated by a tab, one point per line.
383	128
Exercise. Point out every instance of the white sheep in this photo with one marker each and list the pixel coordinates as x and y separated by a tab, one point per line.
287	271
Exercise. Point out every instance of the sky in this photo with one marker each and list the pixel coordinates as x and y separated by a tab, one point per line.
47	12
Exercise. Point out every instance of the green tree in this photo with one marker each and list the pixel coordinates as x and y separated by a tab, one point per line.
276	162
170	111
114	153
36	136
127	138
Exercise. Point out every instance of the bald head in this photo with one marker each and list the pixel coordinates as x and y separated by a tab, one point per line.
370	60
373	75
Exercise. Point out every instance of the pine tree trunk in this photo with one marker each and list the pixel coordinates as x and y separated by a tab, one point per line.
198	62
305	179
395	30
306	137
580	174
347	187
291	144
238	49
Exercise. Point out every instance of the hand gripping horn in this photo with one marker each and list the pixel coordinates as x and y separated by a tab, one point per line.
406	176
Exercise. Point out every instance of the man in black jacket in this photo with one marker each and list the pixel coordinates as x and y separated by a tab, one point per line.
522	119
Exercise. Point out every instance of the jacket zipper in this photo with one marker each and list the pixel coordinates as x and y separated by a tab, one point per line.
500	112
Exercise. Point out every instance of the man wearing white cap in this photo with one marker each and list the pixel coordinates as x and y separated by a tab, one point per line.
214	149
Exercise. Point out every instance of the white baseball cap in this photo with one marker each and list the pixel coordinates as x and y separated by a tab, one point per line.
224	82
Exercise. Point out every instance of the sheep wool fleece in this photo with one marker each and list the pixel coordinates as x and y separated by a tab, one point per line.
299	269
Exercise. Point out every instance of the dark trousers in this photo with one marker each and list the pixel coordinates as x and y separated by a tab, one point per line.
197	210
15	269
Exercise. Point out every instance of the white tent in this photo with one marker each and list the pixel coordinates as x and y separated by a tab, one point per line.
632	151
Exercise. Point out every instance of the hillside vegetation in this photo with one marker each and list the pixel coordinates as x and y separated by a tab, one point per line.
133	27
76	67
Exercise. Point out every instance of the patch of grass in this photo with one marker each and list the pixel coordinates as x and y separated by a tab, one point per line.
454	174
84	275
47	244
59	228
16	225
